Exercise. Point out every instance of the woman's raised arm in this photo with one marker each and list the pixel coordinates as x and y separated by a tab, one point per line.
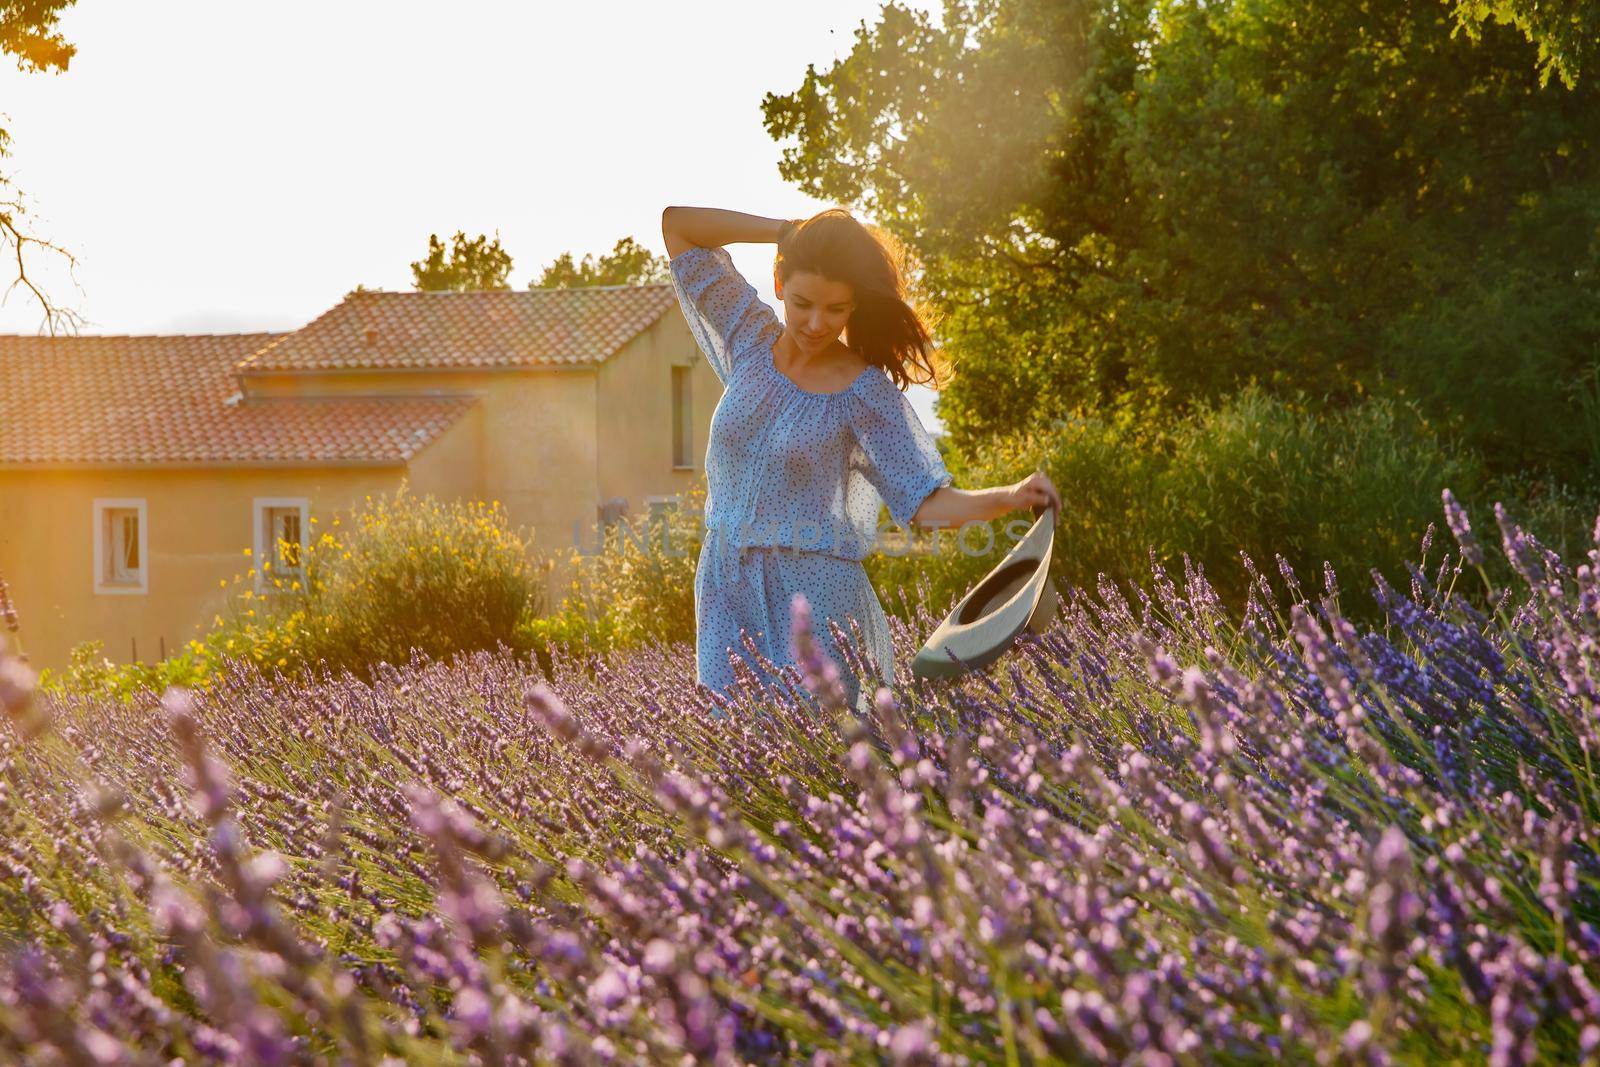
683	228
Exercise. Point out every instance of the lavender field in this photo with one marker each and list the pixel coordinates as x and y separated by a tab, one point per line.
1155	835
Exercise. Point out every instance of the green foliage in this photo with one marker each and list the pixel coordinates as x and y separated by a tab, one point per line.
1566	31
1356	488
468	264
1107	478
442	578
567	631
1141	207
633	584
90	672
628	263
1537	406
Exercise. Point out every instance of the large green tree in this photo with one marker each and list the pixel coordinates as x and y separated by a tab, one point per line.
1132	206
628	263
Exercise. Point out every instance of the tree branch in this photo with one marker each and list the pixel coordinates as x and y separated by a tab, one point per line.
11	233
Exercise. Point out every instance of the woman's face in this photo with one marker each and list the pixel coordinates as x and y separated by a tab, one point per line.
815	309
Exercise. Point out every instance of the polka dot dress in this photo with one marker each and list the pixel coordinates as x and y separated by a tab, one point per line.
794	483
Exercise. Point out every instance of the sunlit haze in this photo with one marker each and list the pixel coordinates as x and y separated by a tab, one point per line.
228	167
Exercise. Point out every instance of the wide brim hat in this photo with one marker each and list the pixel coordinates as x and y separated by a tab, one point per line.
1016	596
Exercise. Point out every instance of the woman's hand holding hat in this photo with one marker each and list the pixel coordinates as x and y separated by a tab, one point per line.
1036	491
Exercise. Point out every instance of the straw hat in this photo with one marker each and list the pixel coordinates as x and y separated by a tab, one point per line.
1016	596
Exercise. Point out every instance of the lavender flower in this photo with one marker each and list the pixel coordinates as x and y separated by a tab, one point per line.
820	673
1455	517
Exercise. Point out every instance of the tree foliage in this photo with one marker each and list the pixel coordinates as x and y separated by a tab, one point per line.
475	263
1567	32
29	34
628	263
1136	207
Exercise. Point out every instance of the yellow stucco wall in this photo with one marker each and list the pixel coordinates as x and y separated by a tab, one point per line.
198	523
549	444
635	398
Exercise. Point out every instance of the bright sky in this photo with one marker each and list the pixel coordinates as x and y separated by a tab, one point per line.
221	167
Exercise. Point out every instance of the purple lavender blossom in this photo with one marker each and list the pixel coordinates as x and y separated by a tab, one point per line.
1456	517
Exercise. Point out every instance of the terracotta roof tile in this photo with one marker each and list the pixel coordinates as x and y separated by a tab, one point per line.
485	328
165	399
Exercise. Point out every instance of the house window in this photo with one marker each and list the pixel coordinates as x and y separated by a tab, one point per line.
682	421
121	546
280	540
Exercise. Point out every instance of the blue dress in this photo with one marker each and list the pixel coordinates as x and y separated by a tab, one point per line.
794	482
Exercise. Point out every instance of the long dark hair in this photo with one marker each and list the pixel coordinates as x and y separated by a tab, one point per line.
887	326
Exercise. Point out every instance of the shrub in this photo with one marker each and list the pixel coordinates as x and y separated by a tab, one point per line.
1505	363
635	584
1356	488
441	578
1266	476
90	672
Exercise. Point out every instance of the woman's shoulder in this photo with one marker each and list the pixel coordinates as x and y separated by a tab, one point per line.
871	381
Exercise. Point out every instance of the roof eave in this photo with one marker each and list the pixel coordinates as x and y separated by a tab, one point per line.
146	465
246	368
497	368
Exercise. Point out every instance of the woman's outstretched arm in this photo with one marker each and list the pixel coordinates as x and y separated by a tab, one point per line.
949	506
683	228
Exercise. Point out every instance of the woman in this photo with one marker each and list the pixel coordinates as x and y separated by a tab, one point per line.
811	434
